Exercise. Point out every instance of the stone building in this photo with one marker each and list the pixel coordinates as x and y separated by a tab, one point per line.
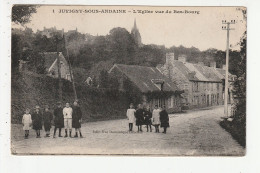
136	35
48	32
202	85
50	63
154	87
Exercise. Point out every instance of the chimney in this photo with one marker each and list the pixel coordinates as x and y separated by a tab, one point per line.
182	58
213	64
169	58
201	63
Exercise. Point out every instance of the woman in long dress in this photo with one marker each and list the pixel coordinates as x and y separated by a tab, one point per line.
58	119
77	119
164	118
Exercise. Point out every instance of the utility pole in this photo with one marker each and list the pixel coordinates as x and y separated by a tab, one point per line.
227	27
70	69
59	72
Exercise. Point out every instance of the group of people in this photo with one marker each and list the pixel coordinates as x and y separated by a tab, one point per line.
143	116
71	117
67	117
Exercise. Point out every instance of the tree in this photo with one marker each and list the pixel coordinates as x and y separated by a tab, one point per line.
149	55
122	46
133	94
36	63
239	85
100	48
22	13
16	51
104	79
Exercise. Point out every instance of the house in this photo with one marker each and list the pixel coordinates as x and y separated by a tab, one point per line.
202	85
155	88
50	63
48	32
231	79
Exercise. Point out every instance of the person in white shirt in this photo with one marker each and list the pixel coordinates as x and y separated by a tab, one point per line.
67	114
27	122
156	118
130	114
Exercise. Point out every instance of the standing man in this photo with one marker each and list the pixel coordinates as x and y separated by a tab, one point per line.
77	119
139	115
58	119
67	114
164	118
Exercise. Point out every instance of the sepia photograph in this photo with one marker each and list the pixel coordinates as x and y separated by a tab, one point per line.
128	80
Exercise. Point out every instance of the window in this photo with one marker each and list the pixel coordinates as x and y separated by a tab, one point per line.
169	102
185	86
195	86
67	76
172	101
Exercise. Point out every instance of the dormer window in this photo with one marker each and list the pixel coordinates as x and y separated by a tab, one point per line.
158	83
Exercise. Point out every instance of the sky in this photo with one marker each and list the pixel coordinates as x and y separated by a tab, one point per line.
201	29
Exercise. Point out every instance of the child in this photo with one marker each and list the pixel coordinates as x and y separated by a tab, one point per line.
47	117
27	122
147	119
156	118
130	114
37	121
164	118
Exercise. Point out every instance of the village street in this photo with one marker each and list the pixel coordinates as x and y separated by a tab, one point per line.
195	132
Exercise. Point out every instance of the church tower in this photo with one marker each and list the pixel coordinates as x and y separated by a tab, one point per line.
136	35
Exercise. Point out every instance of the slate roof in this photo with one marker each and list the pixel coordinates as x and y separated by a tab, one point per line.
145	78
196	72
50	59
222	72
209	73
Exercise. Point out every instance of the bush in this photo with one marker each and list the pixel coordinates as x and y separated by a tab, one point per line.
96	104
237	130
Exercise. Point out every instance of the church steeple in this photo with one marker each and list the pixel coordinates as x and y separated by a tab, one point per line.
135	27
136	34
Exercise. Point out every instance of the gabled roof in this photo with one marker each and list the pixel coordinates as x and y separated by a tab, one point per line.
209	73
50	59
222	74
145	78
197	72
187	69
